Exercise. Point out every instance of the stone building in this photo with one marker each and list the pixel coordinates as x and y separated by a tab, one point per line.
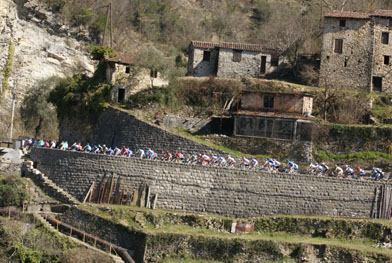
356	51
127	80
285	116
232	60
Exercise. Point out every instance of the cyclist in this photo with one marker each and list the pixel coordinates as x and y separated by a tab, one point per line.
141	153
253	163
339	171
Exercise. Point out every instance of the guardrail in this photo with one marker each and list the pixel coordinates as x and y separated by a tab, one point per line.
118	251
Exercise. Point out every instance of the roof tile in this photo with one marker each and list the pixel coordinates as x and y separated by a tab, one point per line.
238	46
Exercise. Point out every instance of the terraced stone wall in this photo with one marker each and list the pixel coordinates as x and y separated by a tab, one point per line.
117	128
223	191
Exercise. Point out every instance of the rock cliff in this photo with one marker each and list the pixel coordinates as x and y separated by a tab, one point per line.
43	47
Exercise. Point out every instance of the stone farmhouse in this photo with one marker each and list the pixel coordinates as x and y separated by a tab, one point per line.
285	116
232	60
357	50
126	81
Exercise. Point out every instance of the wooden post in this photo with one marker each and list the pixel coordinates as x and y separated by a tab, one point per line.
84	237
111	189
70	232
95	242
154	203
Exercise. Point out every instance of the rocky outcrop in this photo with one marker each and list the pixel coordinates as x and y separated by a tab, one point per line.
44	47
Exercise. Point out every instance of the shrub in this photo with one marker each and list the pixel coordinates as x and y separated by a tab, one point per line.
12	191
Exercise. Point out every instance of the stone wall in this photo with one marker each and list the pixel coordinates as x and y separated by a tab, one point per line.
350	69
117	128
198	67
380	50
248	67
228	192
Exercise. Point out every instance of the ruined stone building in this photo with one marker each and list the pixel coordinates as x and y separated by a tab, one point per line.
232	60
285	116
357	50
126	79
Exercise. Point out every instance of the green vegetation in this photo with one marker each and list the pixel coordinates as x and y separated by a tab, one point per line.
39	116
100	52
13	191
8	68
81	95
174	234
26	241
323	155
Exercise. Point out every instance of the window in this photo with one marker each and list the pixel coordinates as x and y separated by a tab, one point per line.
127	69
386	60
206	55
342	23
385	38
237	55
390	22
268	102
263	66
275	60
153	73
345	62
121	95
339	46
377	84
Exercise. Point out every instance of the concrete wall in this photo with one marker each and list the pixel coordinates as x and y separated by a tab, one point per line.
380	50
290	103
351	69
228	192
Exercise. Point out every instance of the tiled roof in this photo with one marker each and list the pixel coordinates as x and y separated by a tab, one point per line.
359	15
345	14
122	58
238	46
383	13
202	44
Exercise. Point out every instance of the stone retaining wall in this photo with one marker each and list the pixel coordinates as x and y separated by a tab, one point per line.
117	128
229	192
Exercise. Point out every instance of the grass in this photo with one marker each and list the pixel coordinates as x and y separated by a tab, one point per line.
187	261
364	245
369	155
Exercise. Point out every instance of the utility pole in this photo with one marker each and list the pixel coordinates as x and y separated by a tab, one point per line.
13	108
108	18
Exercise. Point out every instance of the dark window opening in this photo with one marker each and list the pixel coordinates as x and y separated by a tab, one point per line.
339	46
121	95
385	38
268	102
386	60
275	61
206	55
345	62
390	22
342	23
35	165
237	55
153	73
127	69
327	57
377	84
263	66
